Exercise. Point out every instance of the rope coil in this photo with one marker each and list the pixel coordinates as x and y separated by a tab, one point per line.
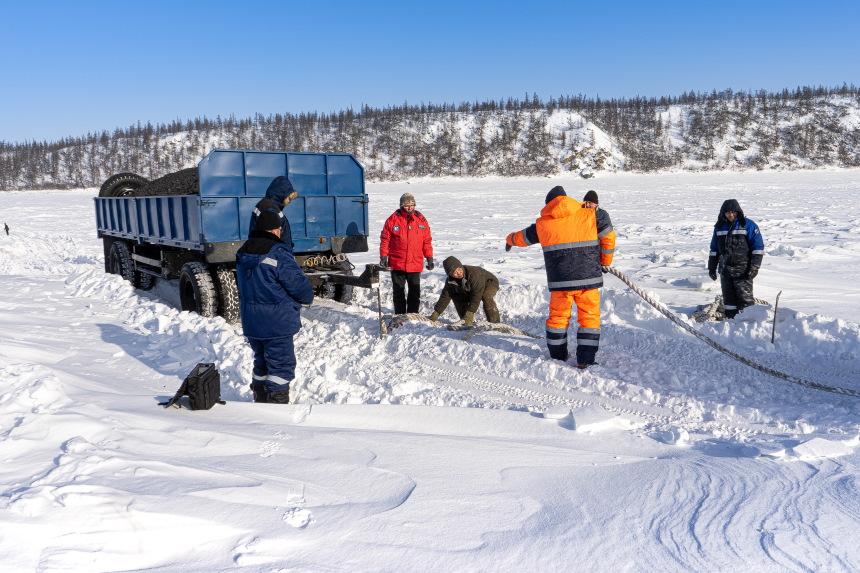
770	371
322	260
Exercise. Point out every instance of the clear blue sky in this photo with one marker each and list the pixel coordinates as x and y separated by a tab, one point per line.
69	68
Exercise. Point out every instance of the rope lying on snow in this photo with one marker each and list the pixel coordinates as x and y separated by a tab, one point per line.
477	328
668	314
714	312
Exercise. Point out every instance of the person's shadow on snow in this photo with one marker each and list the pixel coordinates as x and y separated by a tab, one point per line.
140	347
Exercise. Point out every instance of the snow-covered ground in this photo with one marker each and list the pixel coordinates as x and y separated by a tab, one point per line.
421	451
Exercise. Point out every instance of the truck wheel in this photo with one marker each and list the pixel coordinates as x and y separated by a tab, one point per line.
340	293
228	293
325	290
121	264
143	281
343	293
120	261
122	185
197	290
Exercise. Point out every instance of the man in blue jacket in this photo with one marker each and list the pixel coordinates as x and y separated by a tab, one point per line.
272	289
278	195
737	250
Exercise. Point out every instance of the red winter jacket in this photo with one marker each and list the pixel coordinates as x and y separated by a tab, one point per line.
405	241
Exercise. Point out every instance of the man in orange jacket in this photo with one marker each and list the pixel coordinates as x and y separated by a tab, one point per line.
578	247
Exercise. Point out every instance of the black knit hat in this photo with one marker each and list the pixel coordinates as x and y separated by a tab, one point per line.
268	221
591	196
557	191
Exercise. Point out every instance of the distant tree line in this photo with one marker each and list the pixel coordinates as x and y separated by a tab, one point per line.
793	129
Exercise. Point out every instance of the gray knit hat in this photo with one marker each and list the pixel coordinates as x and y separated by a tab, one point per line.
407	198
591	197
451	264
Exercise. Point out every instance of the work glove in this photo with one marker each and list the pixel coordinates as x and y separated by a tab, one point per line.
604	268
752	274
713	275
468	318
507	246
383	262
430	264
434	317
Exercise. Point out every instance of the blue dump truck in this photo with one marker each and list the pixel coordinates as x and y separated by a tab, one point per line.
188	225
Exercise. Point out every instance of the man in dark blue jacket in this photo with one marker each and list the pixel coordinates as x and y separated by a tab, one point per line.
737	250
278	195
272	289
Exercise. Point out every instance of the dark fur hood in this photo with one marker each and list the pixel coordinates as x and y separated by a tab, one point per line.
279	189
730	205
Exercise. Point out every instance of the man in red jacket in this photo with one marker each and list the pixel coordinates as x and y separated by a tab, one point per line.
404	247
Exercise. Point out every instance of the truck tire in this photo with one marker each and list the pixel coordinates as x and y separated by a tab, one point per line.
197	290
143	281
343	293
340	293
228	293
121	264
122	185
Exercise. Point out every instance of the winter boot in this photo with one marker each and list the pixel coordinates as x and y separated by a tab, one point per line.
261	394
279	396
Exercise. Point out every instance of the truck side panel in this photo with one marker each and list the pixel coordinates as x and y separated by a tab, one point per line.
331	201
222	218
172	220
118	216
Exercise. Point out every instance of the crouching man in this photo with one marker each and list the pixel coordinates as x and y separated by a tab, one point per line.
468	287
272	289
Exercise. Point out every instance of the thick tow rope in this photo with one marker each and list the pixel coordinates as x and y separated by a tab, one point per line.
668	314
470	331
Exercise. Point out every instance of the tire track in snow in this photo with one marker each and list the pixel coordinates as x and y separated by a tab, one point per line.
532	394
544	384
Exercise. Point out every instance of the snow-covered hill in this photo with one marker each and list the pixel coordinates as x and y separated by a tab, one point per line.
810	128
423	451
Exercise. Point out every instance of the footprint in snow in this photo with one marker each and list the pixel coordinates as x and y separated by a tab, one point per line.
269	449
298	517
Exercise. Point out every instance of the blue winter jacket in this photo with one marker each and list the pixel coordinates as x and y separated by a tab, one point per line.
272	287
278	191
736	248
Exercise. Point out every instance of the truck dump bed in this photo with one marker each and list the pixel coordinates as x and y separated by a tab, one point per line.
330	214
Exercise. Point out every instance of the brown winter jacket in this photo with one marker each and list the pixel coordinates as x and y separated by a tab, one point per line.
475	281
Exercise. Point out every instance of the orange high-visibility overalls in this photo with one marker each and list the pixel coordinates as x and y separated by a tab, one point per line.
576	242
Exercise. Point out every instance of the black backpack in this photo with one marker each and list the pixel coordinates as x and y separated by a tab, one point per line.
202	386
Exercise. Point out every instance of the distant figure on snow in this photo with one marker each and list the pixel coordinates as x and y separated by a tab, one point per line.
272	289
737	249
468	287
404	246
575	248
7	227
